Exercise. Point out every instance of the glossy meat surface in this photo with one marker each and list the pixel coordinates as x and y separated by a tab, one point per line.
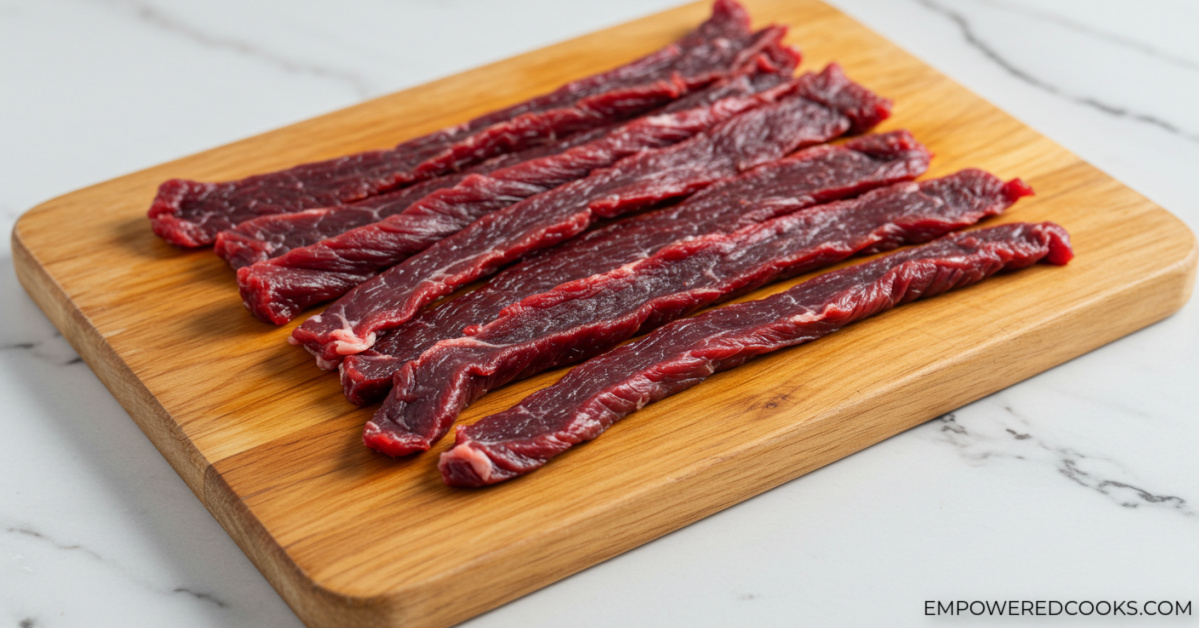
809	177
191	213
277	289
600	392
583	318
265	237
260	239
794	120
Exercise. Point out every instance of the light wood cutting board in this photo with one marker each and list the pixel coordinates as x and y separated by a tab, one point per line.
349	537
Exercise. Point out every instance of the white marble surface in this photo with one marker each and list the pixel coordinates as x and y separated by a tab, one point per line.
1080	483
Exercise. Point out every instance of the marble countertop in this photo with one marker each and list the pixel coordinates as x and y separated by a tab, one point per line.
1077	484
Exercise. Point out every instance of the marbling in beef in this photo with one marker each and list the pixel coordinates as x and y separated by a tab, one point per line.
277	289
600	392
797	119
810	177
583	318
266	237
191	213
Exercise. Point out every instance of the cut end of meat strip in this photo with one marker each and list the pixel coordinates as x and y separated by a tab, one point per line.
278	302
832	88
1017	189
367	377
1057	240
172	194
730	12
469	467
887	145
393	443
774	56
240	249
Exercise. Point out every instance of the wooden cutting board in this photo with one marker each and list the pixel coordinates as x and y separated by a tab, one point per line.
349	537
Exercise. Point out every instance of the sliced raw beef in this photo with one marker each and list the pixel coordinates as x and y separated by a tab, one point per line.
265	237
809	177
600	392
278	289
191	213
586	317
262	238
796	119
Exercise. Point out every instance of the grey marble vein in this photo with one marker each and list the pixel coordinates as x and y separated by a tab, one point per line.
200	595
161	20
53	349
1068	462
1092	32
973	39
30	533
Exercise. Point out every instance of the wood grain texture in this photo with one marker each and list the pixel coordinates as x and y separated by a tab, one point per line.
348	537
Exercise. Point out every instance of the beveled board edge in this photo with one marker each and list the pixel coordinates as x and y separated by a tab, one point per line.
145	410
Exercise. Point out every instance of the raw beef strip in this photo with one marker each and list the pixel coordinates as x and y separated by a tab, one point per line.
260	239
588	316
752	138
190	213
266	237
809	177
600	392
278	289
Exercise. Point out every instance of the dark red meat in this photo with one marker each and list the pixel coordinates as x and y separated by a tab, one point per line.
278	289
262	238
600	392
191	213
265	237
757	136
583	318
809	177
